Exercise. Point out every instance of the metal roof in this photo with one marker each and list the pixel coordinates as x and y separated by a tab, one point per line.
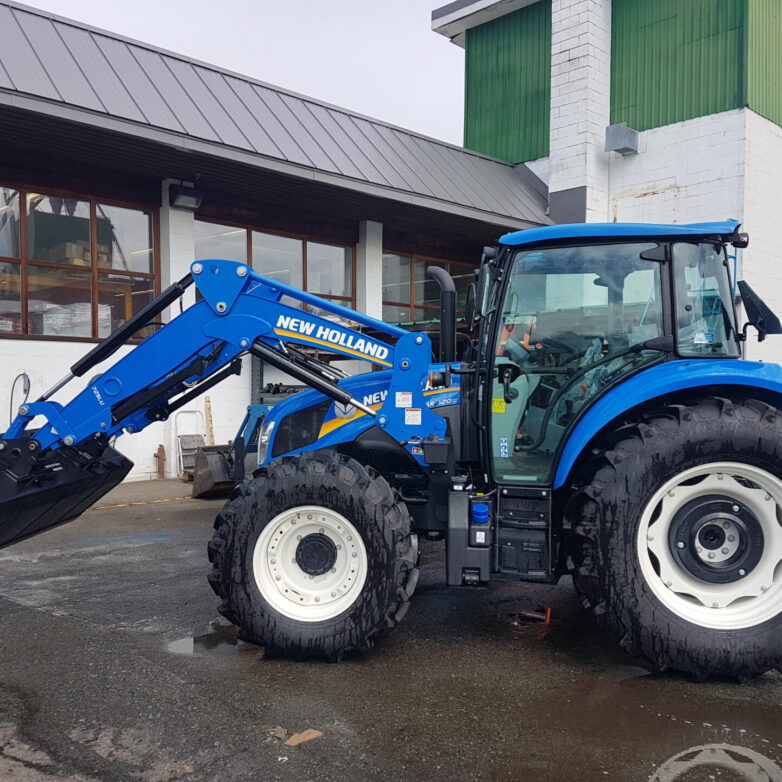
67	69
567	231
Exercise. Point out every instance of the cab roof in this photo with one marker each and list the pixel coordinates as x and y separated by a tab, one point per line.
591	231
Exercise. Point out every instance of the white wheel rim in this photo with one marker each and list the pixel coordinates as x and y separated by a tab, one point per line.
291	590
752	599
746	763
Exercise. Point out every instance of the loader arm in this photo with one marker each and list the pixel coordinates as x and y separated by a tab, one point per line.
65	464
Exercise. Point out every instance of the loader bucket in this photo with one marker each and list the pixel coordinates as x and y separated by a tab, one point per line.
41	491
213	473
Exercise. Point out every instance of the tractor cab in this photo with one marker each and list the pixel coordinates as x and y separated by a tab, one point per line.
569	317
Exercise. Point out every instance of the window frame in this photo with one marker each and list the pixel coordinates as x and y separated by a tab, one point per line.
412	305
305	239
24	262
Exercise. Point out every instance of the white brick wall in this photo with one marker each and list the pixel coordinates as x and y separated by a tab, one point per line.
762	260
686	172
580	79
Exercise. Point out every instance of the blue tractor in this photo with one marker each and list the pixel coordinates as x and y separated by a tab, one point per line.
600	424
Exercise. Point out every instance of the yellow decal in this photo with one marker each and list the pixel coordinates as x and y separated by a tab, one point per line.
335	423
498	405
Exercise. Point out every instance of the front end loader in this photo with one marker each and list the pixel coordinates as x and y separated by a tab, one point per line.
601	424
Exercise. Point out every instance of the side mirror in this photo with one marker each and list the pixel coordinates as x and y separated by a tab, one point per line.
469	307
759	314
482	289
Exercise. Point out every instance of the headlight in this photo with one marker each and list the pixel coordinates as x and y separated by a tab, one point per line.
264	438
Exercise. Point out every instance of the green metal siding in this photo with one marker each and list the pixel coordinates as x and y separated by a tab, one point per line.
764	58
508	85
672	60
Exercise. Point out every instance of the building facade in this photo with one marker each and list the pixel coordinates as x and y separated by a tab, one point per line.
696	83
121	163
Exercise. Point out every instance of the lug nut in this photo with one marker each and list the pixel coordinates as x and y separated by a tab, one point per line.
726	551
735	509
712	555
731	538
680	544
742	572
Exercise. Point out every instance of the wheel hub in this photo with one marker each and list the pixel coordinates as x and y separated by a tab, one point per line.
316	554
710	545
310	563
716	538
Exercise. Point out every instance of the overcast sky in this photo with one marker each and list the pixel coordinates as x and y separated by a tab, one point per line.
376	57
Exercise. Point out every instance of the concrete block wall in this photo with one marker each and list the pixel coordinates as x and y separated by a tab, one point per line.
580	100
762	260
686	172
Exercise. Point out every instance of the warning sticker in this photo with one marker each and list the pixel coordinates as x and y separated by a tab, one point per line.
413	416
498	405
704	338
404	398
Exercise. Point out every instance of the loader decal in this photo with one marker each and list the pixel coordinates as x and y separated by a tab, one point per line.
334	338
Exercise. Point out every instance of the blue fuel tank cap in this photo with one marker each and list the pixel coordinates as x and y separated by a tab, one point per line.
480	514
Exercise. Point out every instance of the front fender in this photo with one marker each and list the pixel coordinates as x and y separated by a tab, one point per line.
657	381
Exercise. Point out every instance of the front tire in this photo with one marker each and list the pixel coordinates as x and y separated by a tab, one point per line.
678	540
314	557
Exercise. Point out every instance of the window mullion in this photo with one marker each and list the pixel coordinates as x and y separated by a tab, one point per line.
23	258
94	267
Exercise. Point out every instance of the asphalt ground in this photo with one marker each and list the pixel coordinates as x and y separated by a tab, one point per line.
114	666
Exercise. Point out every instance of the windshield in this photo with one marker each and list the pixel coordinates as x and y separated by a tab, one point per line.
572	321
705	320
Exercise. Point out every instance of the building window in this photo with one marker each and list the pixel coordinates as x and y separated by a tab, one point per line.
72	266
409	296
323	269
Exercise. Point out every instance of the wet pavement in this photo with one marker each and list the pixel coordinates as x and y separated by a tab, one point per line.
115	666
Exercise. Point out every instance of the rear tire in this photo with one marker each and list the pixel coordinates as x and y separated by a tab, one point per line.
314	557
677	544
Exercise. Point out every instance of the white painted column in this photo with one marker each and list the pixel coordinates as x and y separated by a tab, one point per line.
369	269
580	109
177	245
177	252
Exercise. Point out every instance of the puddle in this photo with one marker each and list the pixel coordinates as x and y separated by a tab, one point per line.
220	641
